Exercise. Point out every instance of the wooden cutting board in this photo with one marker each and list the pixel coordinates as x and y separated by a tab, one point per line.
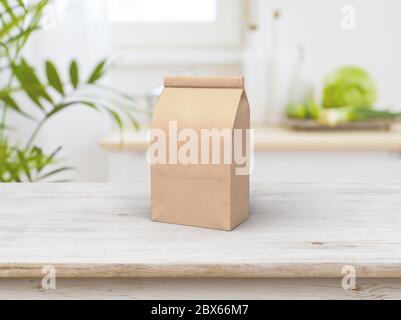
297	124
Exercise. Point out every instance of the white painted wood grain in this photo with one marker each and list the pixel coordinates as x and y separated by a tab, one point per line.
295	230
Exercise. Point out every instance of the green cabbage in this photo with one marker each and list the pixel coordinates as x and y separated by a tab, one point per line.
349	86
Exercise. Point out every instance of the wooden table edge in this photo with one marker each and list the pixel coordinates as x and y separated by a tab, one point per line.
243	271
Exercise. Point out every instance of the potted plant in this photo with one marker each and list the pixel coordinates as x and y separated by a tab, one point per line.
28	161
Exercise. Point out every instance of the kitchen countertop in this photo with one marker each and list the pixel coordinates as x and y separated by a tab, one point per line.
295	231
282	139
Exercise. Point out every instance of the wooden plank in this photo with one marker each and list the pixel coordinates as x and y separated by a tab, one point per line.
201	289
278	138
253	270
295	230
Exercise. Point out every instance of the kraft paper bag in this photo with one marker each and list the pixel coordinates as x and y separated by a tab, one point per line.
199	189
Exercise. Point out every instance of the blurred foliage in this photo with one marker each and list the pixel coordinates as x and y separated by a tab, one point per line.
307	110
348	96
28	162
334	116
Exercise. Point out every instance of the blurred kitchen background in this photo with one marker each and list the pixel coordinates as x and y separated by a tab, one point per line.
284	48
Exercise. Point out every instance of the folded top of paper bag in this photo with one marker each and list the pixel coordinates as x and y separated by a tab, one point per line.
192	82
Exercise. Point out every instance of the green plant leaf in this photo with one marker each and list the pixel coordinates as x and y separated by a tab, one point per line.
53	172
37	156
116	117
24	164
8	8
65	105
30	83
34	12
8	27
74	74
10	102
5	127
22	5
134	122
98	72
49	160
54	78
32	78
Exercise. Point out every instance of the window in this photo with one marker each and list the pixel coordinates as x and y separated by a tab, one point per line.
175	23
162	11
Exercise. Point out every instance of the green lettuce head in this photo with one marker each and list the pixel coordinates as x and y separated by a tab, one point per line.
349	86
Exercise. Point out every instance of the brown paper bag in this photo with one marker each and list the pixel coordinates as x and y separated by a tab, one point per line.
193	182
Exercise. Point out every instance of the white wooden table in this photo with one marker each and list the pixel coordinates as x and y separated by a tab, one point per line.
102	244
